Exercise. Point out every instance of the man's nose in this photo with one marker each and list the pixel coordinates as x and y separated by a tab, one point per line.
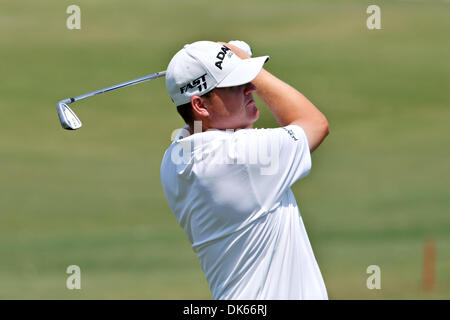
249	88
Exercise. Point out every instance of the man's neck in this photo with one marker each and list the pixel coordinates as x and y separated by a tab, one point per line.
199	127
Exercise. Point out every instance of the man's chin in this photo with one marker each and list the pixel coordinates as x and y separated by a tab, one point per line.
254	118
255	114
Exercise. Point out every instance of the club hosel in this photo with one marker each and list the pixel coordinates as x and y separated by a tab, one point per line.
66	101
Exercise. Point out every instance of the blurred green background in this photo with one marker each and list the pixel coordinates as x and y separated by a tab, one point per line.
93	198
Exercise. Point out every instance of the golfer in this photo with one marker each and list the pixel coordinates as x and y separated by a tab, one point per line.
229	185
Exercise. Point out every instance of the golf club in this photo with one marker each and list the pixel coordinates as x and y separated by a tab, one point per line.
69	119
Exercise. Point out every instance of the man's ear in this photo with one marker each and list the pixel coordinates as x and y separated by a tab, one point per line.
198	104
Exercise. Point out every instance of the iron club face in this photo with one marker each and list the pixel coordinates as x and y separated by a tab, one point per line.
67	117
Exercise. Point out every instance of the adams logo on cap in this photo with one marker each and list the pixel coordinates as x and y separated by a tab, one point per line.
221	56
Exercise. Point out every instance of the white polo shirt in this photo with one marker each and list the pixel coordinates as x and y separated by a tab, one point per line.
230	191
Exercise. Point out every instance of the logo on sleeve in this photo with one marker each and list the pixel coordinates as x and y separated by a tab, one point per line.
291	133
221	55
199	83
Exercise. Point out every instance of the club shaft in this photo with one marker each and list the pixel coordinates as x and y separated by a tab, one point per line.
117	86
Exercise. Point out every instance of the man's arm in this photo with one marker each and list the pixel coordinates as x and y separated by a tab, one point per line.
288	105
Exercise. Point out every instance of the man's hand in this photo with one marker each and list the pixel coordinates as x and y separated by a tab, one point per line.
236	50
243	45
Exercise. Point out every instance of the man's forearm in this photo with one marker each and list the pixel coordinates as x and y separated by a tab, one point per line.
287	104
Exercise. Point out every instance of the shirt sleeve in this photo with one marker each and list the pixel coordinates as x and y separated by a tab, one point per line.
277	159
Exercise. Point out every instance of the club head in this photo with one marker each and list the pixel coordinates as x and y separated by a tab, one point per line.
67	117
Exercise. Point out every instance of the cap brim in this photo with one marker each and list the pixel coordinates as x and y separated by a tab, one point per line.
244	73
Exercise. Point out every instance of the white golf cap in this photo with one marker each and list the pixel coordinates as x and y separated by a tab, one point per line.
204	65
